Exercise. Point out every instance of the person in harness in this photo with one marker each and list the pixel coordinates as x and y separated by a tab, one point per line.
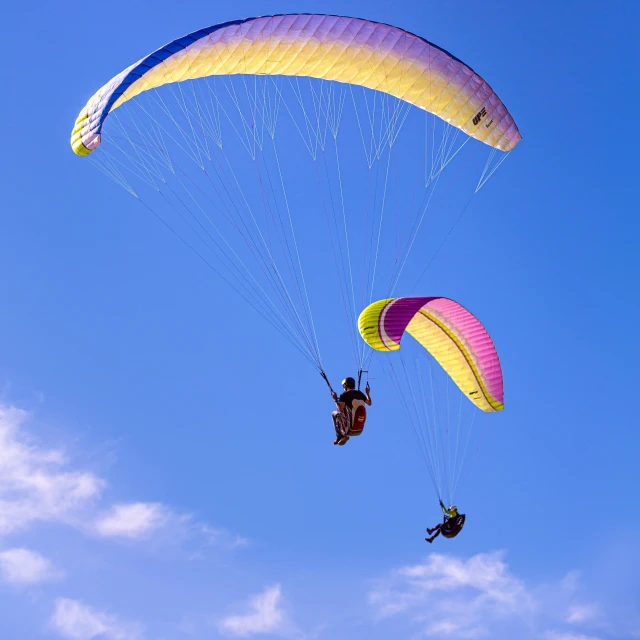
451	525
343	417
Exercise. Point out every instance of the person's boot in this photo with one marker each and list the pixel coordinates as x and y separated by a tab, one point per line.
343	440
430	531
429	540
337	440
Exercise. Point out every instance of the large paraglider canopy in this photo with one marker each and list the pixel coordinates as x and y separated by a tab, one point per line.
350	50
253	139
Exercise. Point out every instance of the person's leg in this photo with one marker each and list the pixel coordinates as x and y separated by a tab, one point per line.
335	416
436	528
342	424
434	536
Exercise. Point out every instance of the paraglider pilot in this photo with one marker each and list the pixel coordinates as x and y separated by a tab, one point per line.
450	527
343	416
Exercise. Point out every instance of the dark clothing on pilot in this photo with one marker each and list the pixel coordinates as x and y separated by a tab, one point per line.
349	396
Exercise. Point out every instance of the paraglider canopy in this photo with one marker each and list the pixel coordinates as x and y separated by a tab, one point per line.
203	133
349	50
451	334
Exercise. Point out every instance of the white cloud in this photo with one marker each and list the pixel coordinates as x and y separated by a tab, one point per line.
135	520
223	538
567	635
449	595
480	597
571	582
76	621
443	628
153	521
264	615
39	484
579	613
22	567
36	483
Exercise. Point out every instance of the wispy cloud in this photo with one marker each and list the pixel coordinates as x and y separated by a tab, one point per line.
218	537
135	520
579	613
264	615
155	522
77	621
480	596
37	483
24	567
449	595
40	484
568	635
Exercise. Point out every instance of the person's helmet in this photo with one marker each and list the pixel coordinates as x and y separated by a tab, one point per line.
453	508
350	383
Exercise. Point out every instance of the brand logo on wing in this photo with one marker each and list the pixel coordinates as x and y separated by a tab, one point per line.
481	114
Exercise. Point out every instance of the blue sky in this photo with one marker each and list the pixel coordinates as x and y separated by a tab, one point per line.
136	503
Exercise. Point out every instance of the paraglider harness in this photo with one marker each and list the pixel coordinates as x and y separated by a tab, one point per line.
358	414
451	526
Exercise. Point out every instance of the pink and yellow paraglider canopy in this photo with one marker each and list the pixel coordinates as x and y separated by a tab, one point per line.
452	335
